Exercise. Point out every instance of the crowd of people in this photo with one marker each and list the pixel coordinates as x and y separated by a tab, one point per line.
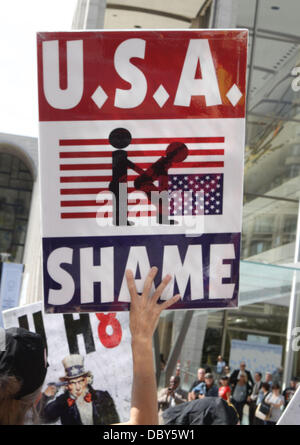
262	394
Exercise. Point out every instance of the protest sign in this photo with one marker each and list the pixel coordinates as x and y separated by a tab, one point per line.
141	156
102	340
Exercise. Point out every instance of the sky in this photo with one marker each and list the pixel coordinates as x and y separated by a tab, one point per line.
19	22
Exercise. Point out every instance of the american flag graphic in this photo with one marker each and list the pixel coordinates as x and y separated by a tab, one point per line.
86	170
205	197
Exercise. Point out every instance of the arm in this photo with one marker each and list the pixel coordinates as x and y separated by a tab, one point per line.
144	316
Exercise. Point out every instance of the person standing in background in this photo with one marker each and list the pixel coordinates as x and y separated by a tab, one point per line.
220	366
252	399
236	375
289	391
224	389
201	379
276	400
206	388
240	394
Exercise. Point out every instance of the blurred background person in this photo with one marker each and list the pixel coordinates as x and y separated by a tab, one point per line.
240	394
276	400
252	399
206	388
200	379
264	391
170	396
224	389
289	392
234	377
227	371
269	378
220	367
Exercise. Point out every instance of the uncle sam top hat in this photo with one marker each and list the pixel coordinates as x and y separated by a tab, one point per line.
74	367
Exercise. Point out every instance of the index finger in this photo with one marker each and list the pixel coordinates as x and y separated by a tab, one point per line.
131	283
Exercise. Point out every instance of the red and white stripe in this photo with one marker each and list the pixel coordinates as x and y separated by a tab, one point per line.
86	170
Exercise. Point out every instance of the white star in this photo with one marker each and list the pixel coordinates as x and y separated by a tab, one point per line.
206	211
206	194
191	182
212	199
207	177
207	186
212	207
217	202
218	186
212	182
218	177
201	182
217	211
217	194
206	202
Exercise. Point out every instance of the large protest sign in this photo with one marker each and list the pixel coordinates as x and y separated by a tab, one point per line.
141	156
102	340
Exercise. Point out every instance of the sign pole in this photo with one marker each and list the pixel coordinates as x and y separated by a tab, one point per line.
292	319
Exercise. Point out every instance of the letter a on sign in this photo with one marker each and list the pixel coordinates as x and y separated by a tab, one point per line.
142	136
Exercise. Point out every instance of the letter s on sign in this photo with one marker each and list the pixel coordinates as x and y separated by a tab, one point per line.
113	340
136	94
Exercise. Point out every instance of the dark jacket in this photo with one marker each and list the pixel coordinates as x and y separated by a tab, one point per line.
104	410
234	379
207	411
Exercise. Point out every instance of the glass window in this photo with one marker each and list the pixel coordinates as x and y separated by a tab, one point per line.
15	198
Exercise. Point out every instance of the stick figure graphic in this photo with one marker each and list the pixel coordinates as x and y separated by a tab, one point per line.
175	152
120	138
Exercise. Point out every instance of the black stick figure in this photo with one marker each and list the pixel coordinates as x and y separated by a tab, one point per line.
176	152
120	138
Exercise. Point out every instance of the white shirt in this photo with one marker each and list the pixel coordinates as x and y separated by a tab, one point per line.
275	412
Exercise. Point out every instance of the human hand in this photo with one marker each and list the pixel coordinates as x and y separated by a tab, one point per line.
144	309
50	391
